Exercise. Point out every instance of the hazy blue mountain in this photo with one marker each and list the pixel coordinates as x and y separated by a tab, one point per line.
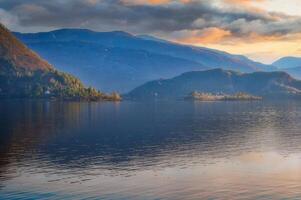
121	61
124	69
278	84
288	62
294	72
291	65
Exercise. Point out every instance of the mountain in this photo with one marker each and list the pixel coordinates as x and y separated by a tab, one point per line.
119	61
264	84
287	62
152	38
24	74
291	65
111	68
294	72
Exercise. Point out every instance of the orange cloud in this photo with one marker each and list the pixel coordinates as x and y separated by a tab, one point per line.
153	2
263	48
92	2
185	1
245	2
257	38
206	36
158	1
142	2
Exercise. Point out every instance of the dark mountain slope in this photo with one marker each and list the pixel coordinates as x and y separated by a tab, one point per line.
216	81
24	74
14	53
183	57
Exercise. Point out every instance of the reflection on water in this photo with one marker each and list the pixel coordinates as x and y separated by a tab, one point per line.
159	150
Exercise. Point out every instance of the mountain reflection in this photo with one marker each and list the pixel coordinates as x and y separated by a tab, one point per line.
132	131
124	139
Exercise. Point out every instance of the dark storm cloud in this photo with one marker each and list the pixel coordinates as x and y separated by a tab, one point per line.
165	18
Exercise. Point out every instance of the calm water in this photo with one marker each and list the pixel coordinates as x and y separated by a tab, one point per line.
160	150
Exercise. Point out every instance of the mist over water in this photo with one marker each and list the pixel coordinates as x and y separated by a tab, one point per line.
150	150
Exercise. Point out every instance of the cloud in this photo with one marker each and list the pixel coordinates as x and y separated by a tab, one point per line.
190	21
205	36
154	2
142	2
244	2
7	19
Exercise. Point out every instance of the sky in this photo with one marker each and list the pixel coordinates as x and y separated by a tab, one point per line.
263	30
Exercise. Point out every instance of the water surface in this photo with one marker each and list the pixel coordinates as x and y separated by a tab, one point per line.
150	150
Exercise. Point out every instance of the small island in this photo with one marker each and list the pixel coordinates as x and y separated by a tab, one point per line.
200	96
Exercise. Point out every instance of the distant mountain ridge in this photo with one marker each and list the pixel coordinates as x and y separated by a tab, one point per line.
265	84
291	65
294	71
287	62
127	59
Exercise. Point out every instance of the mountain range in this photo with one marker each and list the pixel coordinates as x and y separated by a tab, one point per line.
119	61
24	74
287	62
265	84
291	65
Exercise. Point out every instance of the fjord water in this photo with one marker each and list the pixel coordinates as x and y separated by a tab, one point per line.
150	150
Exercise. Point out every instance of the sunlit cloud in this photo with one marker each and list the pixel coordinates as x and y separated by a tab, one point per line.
205	36
219	23
154	2
92	2
145	2
244	2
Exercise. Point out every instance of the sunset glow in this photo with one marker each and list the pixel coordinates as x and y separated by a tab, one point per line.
264	30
